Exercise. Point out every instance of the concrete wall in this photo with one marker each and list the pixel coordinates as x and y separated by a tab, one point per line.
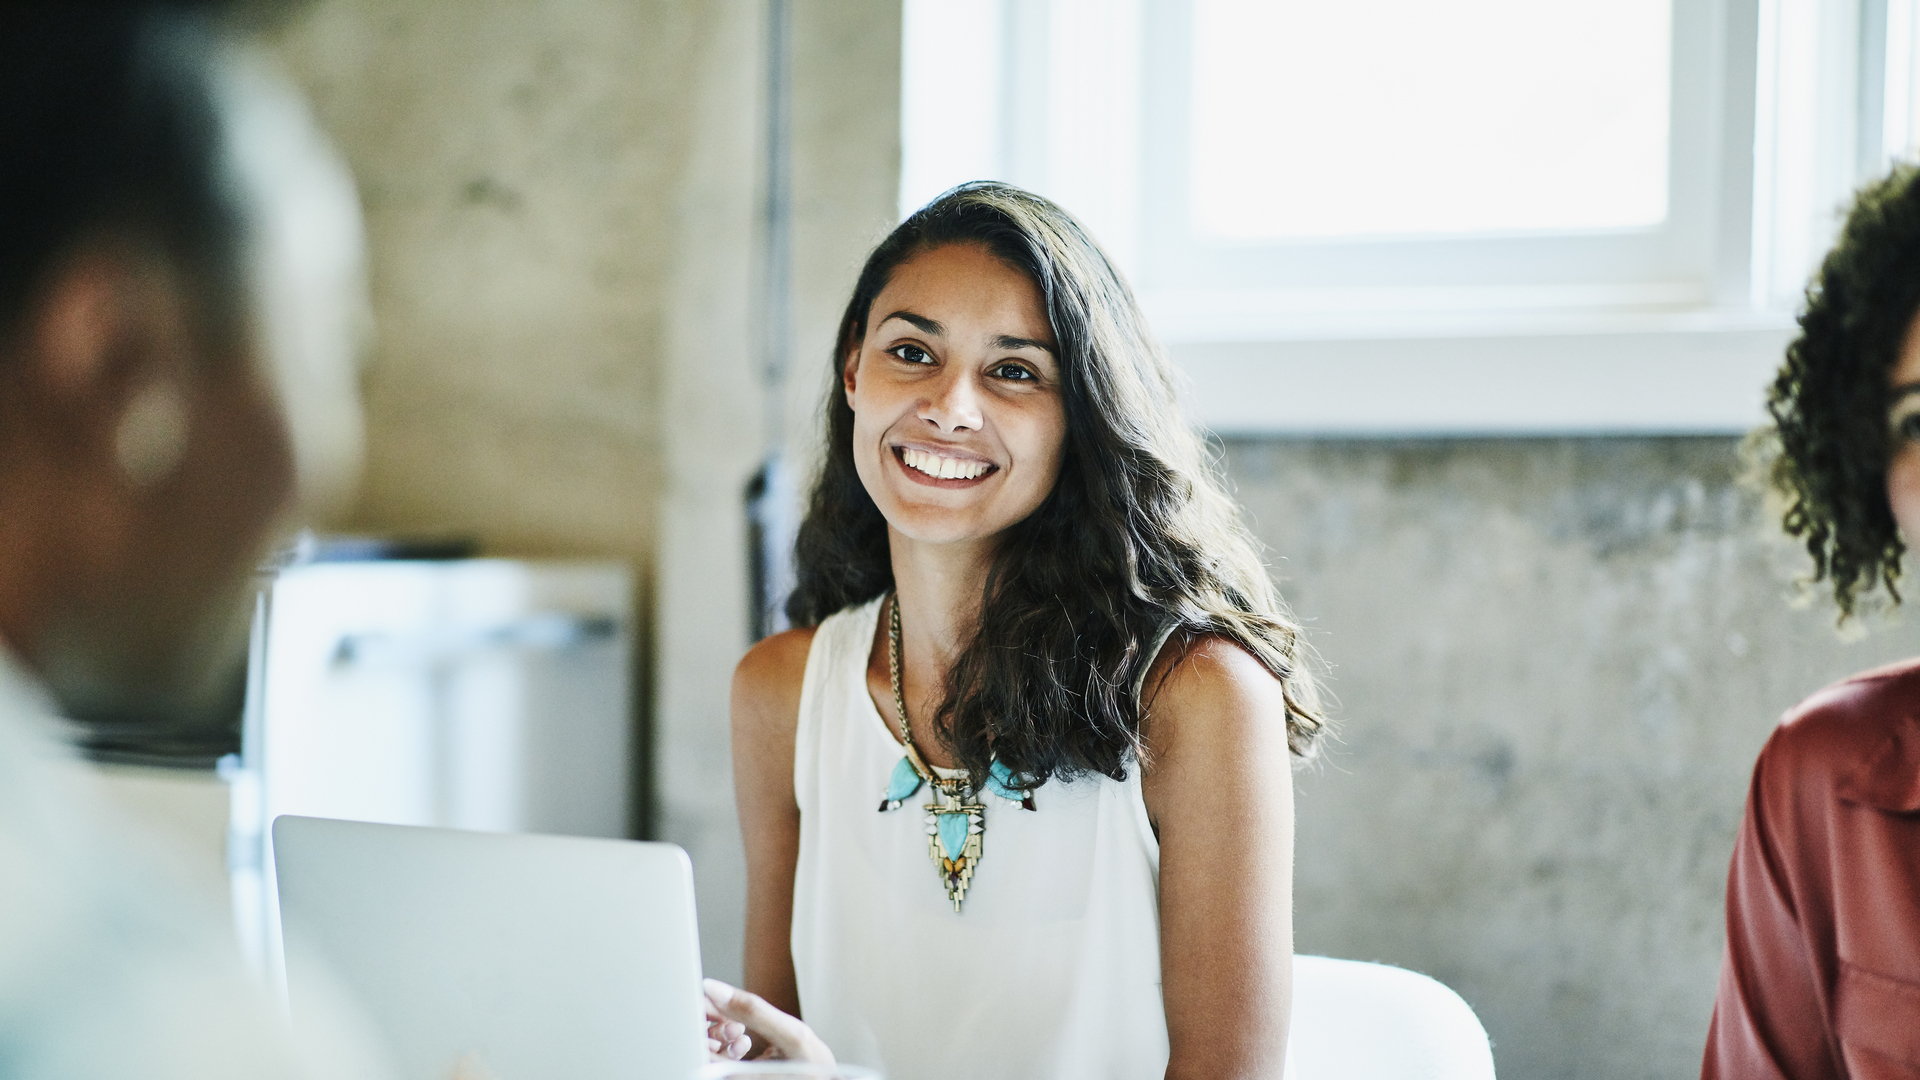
562	203
1555	661
521	166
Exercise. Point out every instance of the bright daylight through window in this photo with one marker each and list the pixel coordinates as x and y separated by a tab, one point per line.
1473	116
1434	216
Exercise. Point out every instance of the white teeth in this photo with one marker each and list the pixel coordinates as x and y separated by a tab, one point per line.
944	468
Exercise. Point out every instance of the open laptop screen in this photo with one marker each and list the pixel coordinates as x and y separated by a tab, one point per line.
520	956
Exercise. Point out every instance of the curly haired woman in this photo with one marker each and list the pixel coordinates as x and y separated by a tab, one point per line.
1017	796
1822	971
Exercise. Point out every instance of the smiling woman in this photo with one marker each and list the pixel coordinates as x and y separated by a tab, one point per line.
1022	591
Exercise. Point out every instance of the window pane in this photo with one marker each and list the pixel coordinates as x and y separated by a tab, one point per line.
1902	117
1407	117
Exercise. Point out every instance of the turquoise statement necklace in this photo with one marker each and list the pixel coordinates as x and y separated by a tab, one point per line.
956	820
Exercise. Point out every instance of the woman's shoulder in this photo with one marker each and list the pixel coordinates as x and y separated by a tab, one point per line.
1210	679
1857	704
773	670
767	681
1201	663
1845	735
777	655
1213	720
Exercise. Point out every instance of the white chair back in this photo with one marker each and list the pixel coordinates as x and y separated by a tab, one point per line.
1359	1021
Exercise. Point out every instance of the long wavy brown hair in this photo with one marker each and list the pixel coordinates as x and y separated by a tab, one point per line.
1831	446
1138	534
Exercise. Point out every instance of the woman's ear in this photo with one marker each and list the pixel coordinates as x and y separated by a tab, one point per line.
79	323
849	371
106	345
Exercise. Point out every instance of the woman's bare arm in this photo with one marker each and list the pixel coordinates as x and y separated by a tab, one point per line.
1219	789
766	714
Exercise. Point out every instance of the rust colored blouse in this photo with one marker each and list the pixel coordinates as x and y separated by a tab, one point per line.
1822	970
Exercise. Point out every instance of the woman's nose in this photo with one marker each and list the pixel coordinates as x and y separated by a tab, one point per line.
954	404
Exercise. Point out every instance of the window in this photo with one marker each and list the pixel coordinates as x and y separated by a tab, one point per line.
1446	216
1306	122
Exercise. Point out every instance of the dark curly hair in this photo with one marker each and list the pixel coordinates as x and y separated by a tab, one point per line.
1830	400
1138	534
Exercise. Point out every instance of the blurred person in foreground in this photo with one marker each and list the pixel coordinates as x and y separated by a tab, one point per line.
178	266
1822	970
181	301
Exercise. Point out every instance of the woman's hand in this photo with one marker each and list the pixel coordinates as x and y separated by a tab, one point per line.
737	1019
726	1039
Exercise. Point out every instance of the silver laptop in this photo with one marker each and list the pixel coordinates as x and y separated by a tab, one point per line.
520	957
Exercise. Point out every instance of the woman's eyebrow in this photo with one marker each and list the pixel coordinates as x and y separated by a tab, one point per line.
1901	391
1005	341
921	322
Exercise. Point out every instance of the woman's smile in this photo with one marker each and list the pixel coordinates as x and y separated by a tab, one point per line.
943	468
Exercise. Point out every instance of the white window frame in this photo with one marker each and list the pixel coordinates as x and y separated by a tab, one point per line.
1084	101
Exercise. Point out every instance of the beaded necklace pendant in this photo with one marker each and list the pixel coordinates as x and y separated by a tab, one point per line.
955	826
956	822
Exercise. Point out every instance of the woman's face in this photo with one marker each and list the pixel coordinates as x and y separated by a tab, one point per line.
958	422
1903	468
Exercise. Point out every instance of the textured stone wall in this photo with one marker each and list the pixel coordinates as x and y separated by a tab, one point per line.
562	202
1554	662
521	166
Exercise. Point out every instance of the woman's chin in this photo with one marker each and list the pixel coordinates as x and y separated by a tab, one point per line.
942	527
950	515
937	535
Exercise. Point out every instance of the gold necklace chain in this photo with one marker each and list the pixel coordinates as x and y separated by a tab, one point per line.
955	820
899	700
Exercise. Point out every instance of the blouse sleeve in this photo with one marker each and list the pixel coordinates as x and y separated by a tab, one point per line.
1770	1016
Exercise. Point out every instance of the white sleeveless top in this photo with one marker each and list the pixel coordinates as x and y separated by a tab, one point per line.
1050	971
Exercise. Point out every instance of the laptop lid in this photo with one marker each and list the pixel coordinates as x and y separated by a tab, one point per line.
527	956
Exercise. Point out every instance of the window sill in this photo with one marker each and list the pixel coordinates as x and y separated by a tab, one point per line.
1645	372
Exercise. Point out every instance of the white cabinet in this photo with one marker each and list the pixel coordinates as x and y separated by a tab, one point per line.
477	693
